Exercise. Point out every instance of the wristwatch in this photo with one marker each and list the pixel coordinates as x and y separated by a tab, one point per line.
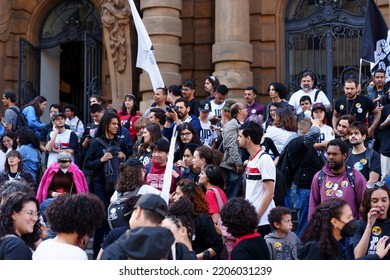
206	254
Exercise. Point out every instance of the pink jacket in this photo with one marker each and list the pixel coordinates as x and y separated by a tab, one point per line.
78	178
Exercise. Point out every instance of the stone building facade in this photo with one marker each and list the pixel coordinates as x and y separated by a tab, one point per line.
242	42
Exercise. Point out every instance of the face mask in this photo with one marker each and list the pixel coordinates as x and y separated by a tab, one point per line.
349	228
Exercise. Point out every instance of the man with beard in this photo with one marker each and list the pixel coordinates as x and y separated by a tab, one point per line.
177	116
252	107
378	92
336	179
308	88
361	158
356	105
342	128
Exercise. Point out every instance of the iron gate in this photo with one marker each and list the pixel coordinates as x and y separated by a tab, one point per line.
29	72
326	37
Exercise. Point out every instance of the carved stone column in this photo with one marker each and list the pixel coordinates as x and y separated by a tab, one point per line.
5	27
163	23
232	51
115	16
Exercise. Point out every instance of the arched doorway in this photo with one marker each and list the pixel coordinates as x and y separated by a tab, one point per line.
66	67
325	36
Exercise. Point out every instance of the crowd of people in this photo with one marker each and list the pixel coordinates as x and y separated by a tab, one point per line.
240	171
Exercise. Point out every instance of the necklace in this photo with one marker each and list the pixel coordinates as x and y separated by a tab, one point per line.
349	112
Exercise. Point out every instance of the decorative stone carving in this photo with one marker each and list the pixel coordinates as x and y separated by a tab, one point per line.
5	19
115	17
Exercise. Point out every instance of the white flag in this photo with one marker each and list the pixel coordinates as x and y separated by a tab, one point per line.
145	55
169	167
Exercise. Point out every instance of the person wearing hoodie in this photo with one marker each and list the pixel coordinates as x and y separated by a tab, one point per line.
155	169
282	242
147	239
337	180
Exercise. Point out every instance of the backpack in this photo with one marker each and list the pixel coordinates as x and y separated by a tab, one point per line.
111	167
350	175
228	239
368	156
21	120
115	215
280	190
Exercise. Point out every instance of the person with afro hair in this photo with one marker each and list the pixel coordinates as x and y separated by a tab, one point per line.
73	217
240	218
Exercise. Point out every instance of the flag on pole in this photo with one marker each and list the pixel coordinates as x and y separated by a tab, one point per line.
376	40
145	55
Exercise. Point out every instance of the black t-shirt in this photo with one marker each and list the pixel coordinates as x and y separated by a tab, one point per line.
359	162
358	107
13	247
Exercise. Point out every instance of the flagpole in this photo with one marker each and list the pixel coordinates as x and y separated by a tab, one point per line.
360	72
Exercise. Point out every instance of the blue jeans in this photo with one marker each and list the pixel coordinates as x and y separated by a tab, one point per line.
233	183
304	197
291	199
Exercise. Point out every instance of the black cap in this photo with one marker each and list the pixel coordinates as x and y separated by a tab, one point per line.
318	106
56	115
153	202
145	243
205	106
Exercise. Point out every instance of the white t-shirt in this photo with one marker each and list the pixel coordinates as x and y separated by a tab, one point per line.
61	142
216	109
257	170
50	249
279	136
206	134
327	133
294	99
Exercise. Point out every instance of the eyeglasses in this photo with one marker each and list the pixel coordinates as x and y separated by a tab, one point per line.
64	160
185	134
31	213
373	184
12	156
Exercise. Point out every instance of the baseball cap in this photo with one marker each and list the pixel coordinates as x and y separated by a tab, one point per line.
10	95
56	115
205	106
228	104
318	106
133	162
153	202
64	155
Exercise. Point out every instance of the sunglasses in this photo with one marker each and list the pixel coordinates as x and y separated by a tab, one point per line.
64	160
373	184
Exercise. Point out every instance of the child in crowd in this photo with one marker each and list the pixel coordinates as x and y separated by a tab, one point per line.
282	242
306	104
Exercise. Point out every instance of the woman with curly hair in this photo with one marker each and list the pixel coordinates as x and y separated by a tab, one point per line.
19	226
240	218
151	133
179	222
327	234
375	222
129	114
73	218
208	242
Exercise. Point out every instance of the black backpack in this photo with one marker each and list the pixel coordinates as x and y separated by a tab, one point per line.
280	186
111	167
21	120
